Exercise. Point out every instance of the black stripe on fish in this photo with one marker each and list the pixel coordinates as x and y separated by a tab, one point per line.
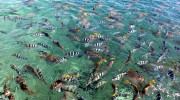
62	60
87	40
40	76
98	44
18	56
44	45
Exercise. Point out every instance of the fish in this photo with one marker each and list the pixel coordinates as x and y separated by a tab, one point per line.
128	59
147	87
69	88
141	63
50	58
98	44
73	53
69	78
98	76
75	30
40	76
58	44
16	69
72	37
62	60
18	56
87	40
30	45
101	83
46	35
58	83
19	79
158	96
94	56
7	92
37	73
98	49
102	38
43	45
119	76
171	74
115	87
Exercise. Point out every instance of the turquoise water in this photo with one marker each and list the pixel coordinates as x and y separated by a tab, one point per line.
149	29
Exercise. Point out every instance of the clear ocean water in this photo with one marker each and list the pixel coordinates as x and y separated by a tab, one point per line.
140	38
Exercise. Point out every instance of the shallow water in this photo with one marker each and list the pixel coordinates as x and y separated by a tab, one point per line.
149	29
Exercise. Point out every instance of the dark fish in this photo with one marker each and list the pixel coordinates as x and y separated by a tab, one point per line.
76	30
15	68
72	37
129	58
46	34
158	96
31	45
58	44
102	38
115	87
171	74
31	70
43	45
7	92
98	44
18	56
1	31
23	85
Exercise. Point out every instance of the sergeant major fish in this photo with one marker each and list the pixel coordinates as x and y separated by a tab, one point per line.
43	45
18	56
30	45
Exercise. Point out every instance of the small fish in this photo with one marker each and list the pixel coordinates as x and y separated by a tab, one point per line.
58	44
7	92
50	58
38	35
128	59
43	45
69	78
72	37
115	87
94	56
57	84
72	54
99	84
76	30
171	74
119	76
15	68
157	68
102	38
18	56
23	85
62	60
98	76
98	44
87	40
68	88
40	76
150	84
30	45
98	50
141	63
46	34
158	96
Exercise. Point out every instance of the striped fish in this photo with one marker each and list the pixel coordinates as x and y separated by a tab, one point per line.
40	76
43	45
98	50
69	78
102	38
62	60
72	37
18	56
30	45
99	84
87	40
72	54
98	76
38	34
158	68
15	68
98	44
119	76
140	63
